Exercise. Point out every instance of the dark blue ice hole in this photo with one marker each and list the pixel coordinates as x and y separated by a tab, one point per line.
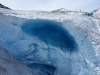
50	32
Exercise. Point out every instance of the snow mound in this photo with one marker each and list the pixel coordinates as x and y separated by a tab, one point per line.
62	10
97	13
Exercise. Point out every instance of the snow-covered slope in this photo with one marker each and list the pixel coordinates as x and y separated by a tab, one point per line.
59	42
97	13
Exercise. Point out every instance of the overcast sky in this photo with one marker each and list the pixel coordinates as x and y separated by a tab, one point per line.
48	5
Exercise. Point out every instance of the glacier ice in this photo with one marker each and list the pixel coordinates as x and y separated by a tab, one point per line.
51	33
53	43
9	65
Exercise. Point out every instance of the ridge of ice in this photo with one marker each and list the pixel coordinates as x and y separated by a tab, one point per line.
61	10
97	13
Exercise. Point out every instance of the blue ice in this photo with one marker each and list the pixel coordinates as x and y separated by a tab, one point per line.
50	32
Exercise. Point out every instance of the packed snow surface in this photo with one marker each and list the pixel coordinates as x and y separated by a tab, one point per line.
59	42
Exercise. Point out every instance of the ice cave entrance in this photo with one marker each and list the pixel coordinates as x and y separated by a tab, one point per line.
51	33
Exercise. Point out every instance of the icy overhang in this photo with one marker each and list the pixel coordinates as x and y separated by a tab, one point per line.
50	32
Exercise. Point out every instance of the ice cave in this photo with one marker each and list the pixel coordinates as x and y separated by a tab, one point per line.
49	43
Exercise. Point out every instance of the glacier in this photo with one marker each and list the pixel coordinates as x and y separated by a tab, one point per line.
9	65
59	42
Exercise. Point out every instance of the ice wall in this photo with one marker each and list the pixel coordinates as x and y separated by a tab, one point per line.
9	65
54	44
51	33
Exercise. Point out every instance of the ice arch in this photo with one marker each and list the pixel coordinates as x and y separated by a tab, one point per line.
54	34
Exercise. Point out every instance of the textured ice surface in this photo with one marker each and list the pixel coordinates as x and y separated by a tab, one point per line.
9	65
53	43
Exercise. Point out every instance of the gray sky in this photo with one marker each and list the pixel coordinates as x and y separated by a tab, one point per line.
48	5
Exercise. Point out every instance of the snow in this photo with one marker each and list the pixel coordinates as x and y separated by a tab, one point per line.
53	43
97	13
